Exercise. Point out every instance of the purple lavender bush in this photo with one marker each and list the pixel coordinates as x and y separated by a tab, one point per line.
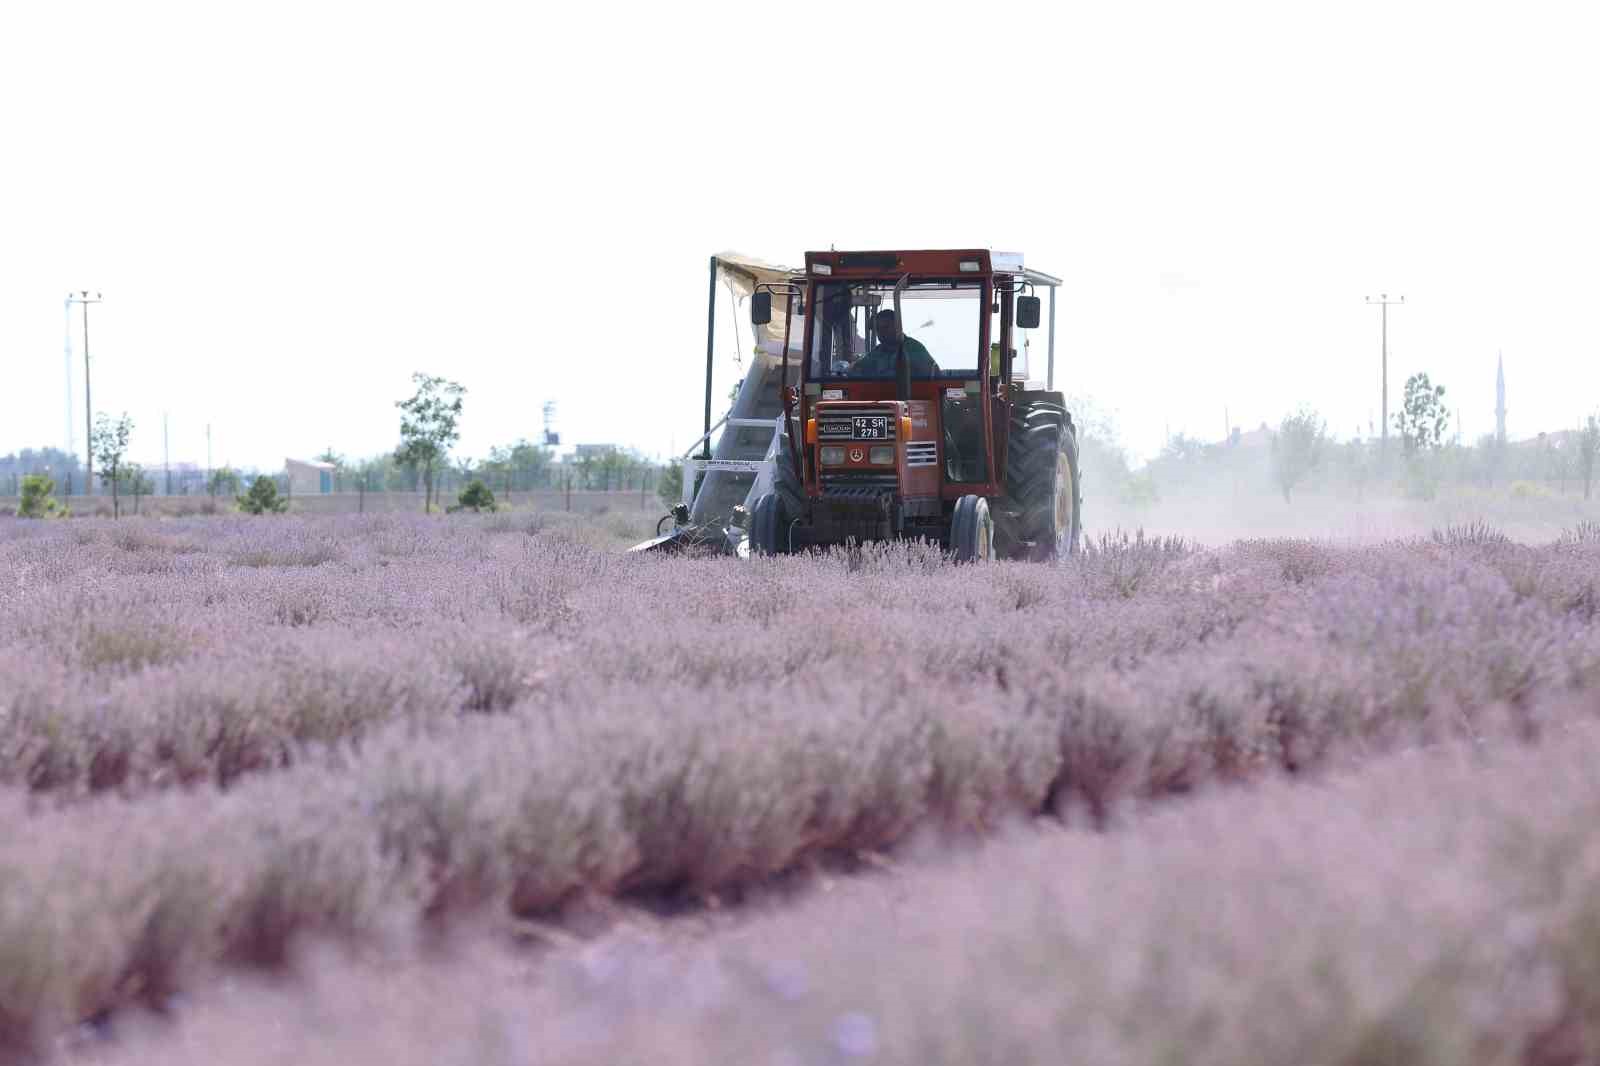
220	737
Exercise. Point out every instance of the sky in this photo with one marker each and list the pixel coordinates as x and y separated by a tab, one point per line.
290	208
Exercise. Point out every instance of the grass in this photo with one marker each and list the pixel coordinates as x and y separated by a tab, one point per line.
388	722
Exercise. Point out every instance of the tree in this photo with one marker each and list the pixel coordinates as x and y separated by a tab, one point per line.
670	485
369	476
137	483
429	425
223	481
1490	456
530	463
1422	420
1588	451
38	500
1181	449
108	442
262	498
465	470
1297	449
498	465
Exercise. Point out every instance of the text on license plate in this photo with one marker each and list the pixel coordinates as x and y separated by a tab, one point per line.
870	427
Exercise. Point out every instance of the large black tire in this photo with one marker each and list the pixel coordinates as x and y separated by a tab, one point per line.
971	531
1039	517
769	526
786	479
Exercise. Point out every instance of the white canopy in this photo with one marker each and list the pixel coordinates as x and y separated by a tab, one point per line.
742	273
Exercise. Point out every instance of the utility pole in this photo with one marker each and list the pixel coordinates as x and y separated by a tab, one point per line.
166	453
88	406
208	456
1383	302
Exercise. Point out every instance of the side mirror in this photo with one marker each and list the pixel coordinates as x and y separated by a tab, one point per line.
761	308
1028	312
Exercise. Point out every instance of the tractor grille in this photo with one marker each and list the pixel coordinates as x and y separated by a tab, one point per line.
859	485
922	453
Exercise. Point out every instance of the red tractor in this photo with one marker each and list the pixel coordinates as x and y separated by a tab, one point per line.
910	414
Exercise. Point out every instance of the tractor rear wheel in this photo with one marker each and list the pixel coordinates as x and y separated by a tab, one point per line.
1038	518
769	526
971	531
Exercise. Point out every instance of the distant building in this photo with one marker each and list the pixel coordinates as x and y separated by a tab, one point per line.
308	477
584	451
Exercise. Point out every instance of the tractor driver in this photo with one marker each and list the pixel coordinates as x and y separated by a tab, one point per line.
880	361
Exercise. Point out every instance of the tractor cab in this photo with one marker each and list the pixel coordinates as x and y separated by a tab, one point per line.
907	382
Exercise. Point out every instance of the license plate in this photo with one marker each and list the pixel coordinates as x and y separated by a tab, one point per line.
870	427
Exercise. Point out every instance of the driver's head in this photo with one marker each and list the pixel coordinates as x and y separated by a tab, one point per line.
888	327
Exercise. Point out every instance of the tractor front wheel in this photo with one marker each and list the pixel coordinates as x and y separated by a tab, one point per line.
971	531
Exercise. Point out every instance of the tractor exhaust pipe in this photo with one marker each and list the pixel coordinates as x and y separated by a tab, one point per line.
902	365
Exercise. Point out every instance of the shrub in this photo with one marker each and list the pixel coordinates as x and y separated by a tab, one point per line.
262	498
38	500
515	715
475	497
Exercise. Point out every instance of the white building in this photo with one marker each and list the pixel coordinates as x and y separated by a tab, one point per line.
308	477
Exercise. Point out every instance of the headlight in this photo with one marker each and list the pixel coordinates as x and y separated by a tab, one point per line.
883	456
832	456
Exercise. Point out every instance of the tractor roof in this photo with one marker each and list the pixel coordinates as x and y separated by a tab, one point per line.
746	272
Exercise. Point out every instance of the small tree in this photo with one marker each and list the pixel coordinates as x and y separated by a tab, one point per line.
262	498
1297	449
475	497
223	482
38	500
529	462
109	443
669	486
137	483
1422	420
429	425
369	477
1588	451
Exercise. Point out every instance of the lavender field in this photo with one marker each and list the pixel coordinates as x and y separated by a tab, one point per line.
486	789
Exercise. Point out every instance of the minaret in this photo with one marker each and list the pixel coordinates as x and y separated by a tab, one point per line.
1500	402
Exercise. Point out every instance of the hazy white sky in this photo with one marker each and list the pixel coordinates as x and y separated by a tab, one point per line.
291	207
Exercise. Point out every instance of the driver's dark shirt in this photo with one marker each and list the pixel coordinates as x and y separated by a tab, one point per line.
880	361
